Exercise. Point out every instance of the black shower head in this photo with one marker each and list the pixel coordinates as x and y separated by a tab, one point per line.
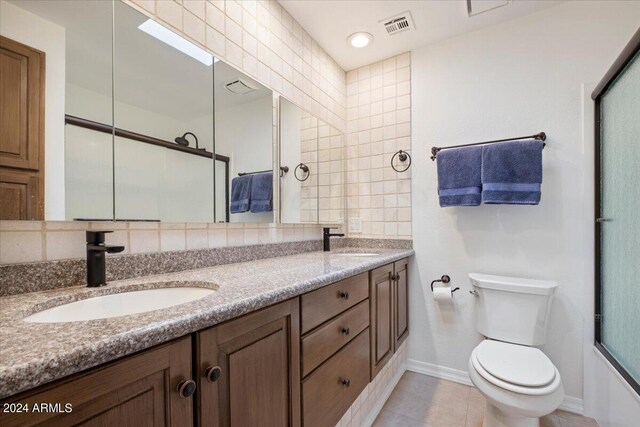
182	140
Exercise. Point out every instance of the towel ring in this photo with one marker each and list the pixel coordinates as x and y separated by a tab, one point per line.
304	168
402	156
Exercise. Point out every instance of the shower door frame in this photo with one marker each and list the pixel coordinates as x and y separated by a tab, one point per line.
628	53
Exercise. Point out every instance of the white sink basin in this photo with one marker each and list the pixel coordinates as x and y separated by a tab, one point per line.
358	254
121	304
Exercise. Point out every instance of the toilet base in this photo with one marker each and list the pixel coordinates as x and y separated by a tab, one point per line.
495	417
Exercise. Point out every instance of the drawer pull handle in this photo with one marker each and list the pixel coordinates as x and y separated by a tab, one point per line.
346	330
344	381
186	388
213	373
343	295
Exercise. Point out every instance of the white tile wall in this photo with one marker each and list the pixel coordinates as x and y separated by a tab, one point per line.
309	156
331	201
379	124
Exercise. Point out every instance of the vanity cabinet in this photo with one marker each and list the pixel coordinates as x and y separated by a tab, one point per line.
303	361
248	369
139	390
389	312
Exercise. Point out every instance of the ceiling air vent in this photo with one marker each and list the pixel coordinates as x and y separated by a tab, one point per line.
240	87
399	23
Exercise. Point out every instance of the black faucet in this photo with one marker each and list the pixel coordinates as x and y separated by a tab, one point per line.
326	234
96	255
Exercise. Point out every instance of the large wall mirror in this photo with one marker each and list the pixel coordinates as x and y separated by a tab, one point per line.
108	115
312	192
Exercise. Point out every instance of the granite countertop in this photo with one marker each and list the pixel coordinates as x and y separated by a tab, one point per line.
32	354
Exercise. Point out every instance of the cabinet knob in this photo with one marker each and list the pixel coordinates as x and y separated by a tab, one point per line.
343	295
212	373
186	388
396	277
344	381
346	330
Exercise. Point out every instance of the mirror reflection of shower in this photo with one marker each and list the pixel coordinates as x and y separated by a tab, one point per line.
182	140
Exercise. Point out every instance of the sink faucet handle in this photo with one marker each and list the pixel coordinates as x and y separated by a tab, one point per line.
97	236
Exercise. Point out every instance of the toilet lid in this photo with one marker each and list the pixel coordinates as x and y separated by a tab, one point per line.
515	364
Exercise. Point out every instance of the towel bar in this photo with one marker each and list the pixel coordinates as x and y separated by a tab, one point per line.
541	136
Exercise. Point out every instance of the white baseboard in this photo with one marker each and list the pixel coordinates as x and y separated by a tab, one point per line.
571	404
373	414
455	375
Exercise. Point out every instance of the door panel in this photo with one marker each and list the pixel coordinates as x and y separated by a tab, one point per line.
21	131
20	195
258	360
619	227
401	302
140	390
381	301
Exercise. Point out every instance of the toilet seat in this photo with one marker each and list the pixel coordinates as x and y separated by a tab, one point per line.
516	368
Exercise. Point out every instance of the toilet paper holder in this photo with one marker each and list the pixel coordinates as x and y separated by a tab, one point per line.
444	279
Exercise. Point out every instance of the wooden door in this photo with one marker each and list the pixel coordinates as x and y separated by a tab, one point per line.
381	300
22	79
140	390
249	369
401	302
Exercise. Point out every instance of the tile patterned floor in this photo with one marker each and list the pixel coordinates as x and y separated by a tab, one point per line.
423	401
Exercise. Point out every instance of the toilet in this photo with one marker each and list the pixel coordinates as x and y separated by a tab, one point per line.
517	379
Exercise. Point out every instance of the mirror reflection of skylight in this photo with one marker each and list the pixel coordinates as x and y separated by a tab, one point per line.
167	36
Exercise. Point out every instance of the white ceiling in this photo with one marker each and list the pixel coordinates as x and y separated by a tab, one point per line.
330	22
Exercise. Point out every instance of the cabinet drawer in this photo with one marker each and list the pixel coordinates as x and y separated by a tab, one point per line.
330	337
324	303
325	398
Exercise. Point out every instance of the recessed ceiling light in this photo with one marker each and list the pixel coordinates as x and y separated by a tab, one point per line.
167	36
360	39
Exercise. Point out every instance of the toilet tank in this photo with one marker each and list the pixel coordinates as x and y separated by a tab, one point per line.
512	309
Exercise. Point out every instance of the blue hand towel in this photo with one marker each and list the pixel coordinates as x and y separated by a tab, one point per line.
459	174
262	192
240	194
512	172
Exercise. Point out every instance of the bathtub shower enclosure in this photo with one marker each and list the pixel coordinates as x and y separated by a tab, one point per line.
617	173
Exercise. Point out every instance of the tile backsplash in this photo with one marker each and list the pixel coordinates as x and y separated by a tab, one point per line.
33	241
378	125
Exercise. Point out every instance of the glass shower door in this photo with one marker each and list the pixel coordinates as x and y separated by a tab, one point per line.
618	311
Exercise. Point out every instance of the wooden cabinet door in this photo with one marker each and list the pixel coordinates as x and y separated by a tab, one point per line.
401	302
381	300
249	369
20	195
22	78
140	390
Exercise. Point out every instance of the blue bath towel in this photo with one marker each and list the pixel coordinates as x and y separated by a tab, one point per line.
512	172
459	175
262	192
240	194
